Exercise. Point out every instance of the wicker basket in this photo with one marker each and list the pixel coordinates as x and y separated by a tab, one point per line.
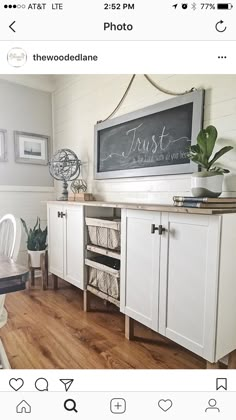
104	232
103	278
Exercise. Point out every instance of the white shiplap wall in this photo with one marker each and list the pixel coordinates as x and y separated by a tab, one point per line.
79	101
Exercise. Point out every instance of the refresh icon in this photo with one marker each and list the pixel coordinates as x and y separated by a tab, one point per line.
220	27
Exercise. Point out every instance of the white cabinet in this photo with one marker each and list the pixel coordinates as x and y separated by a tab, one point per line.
189	281
180	282
177	270
140	253
66	242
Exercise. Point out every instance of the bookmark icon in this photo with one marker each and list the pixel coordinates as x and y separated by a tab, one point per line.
67	383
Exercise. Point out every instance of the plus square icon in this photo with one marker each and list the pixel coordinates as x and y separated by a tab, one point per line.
118	405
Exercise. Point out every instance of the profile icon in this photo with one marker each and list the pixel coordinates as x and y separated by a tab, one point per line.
212	406
17	57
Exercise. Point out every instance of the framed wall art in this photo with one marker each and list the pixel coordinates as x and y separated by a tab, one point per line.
151	141
3	145
31	148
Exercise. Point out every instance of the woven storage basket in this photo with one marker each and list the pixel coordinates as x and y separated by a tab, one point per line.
104	232
103	278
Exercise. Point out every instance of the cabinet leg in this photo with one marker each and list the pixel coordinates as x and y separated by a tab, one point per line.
32	277
210	365
32	282
43	270
232	360
129	328
46	268
55	281
86	301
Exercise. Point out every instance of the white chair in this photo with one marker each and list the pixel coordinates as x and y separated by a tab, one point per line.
10	237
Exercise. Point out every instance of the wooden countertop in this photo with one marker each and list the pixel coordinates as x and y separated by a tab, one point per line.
144	206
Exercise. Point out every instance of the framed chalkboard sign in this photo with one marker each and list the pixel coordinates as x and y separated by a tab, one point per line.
151	141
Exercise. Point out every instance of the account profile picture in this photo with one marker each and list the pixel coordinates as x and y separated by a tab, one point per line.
16	57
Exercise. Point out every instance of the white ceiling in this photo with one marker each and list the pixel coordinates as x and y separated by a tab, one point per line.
46	82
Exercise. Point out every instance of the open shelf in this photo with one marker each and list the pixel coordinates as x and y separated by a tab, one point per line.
103	259
103	251
103	295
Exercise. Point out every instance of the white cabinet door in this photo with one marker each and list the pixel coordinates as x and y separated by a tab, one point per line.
74	246
140	266
189	281
55	239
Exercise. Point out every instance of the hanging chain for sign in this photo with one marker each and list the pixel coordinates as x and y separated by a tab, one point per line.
154	84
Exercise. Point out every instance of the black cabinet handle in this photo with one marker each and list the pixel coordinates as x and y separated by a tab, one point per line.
160	229
153	228
61	214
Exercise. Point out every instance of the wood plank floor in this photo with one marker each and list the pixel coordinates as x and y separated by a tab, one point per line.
48	329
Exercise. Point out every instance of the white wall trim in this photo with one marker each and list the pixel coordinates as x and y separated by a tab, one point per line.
25	188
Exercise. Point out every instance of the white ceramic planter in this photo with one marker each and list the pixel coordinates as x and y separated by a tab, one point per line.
206	184
35	257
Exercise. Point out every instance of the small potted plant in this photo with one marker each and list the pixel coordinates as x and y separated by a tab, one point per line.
208	182
36	242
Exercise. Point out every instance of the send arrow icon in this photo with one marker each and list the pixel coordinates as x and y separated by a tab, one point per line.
67	383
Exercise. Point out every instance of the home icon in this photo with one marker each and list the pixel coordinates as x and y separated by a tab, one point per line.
23	407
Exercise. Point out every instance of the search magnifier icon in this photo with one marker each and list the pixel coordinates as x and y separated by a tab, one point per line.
70	405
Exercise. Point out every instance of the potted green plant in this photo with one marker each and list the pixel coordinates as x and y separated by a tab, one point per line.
208	182
36	242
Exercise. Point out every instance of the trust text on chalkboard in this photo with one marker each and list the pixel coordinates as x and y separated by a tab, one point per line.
151	141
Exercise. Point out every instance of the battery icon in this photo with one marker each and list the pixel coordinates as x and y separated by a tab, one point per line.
224	6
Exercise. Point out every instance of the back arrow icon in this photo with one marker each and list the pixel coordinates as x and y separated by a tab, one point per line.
11	26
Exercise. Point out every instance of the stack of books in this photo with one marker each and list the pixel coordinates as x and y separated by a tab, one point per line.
205	202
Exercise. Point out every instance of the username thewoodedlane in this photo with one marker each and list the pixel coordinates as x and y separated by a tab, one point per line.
64	57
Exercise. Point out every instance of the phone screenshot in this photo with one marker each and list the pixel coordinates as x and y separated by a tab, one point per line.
117	209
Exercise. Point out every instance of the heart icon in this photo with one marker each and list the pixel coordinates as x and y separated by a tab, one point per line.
165	405
16	384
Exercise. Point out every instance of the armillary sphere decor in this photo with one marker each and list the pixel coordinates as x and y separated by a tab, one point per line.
78	186
64	166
